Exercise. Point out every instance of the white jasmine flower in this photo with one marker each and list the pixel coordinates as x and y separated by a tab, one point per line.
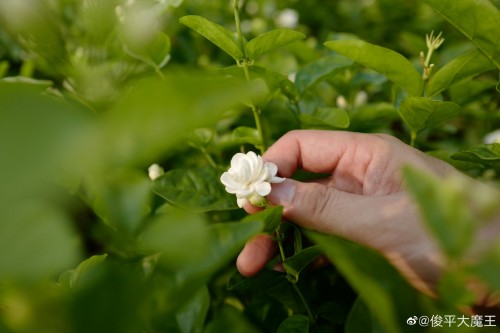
155	171
361	98
249	178
493	137
342	102
288	18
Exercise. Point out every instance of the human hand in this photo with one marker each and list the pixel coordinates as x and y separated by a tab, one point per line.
363	200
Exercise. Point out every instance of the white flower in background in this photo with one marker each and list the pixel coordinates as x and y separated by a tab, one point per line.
493	137
361	98
287	18
342	102
249	178
155	171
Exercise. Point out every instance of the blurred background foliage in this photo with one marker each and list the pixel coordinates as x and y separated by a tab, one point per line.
92	92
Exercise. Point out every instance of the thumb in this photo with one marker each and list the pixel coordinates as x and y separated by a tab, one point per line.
324	208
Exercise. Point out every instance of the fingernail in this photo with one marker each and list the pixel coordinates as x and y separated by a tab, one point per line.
283	193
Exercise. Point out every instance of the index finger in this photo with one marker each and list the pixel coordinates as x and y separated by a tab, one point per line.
315	151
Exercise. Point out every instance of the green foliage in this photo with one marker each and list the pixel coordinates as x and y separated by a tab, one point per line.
270	41
392	64
198	189
93	92
215	33
487	155
476	19
467	65
420	112
294	324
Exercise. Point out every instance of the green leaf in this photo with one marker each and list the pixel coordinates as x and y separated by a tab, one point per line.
21	80
467	65
443	206
198	189
159	50
191	316
121	199
392	64
270	41
297	263
453	288
215	33
468	90
325	118
4	68
317	71
477	20
420	112
82	270
245	134
259	282
173	3
488	268
36	241
154	52
225	241
229	319
388	296
182	239
155	114
487	155
294	324
200	138
359	318
270	217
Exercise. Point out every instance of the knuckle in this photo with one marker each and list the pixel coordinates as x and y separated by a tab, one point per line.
318	198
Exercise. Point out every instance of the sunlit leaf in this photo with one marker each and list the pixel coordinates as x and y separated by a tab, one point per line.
215	33
487	155
476	19
467	65
420	112
390	63
270	41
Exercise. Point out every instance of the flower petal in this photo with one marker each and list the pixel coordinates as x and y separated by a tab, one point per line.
241	202
271	169
276	180
263	188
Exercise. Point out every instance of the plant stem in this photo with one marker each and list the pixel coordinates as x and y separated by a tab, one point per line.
279	239
236	8
209	158
244	64
413	138
304	302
